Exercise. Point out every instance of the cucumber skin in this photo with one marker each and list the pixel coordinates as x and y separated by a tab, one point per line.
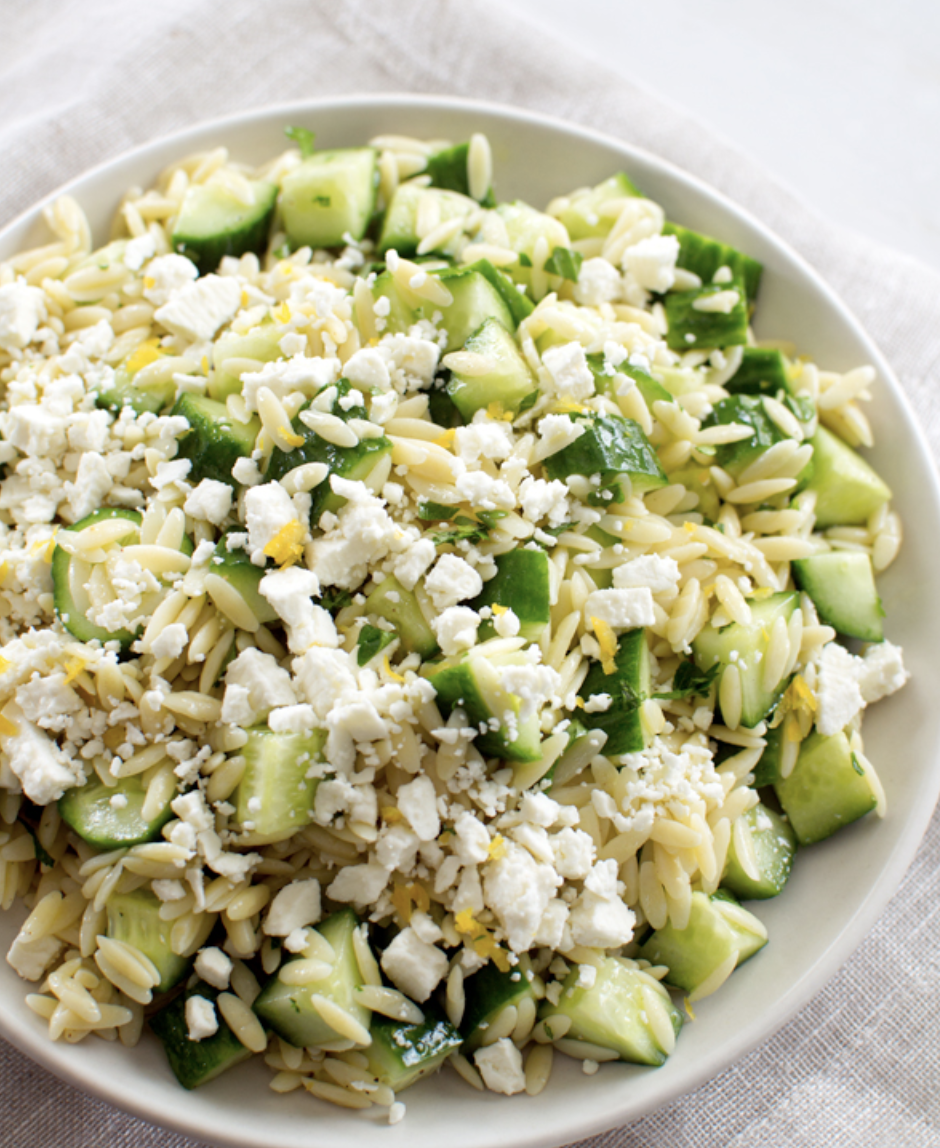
826	790
842	587
96	822
487	992
521	584
214	442
709	328
611	446
78	625
762	372
196	1062
401	1054
703	256
247	230
629	685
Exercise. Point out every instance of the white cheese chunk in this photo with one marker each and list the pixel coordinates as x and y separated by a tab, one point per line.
500	1065
201	1019
214	966
199	309
451	581
622	609
413	966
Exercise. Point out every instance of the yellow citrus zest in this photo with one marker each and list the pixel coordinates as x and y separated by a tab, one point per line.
286	547
497	848
390	814
290	437
146	353
282	313
7	728
73	668
607	640
391	673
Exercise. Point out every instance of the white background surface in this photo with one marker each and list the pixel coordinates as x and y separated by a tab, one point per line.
840	99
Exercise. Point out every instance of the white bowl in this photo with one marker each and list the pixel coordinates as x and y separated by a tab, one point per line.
838	887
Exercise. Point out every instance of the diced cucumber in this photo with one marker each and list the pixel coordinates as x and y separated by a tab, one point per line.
745	646
213	222
487	993
763	371
399	227
236	567
390	600
704	256
274	798
356	463
608	381
196	1062
449	168
505	385
842	586
402	1054
690	327
616	1012
525	227
584	217
521	584
475	300
214	441
124	390
628	686
718	929
88	809
472	681
519	304
847	490
767	770
70	577
748	410
698	480
135	919
328	196
260	344
774	848
616	450
289	1009
827	789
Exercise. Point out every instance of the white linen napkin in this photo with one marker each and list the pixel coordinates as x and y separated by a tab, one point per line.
80	83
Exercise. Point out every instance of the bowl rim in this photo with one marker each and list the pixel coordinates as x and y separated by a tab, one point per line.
33	1042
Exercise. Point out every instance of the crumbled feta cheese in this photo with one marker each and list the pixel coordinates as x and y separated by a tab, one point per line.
264	684
720	302
483	439
201	1019
652	262
210	501
364	534
414	562
170	642
413	966
167	275
418	802
622	609
214	966
451	581
656	573
540	499
574	853
199	309
838	695
456	629
290	592
44	770
138	250
293	907
268	509
303	374
599	918
500	1065
358	884
557	432
533	685
168	890
598	282
292	719
93	482
31	958
506	623
568	369
518	889
22	309
368	368
485	493
882	672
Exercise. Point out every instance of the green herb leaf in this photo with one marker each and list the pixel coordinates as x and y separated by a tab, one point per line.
524	260
372	640
466	530
565	262
41	855
529	401
436	511
303	138
335	599
690	681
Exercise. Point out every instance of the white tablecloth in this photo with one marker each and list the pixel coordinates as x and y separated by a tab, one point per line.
81	82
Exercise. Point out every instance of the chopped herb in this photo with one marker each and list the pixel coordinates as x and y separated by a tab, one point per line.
436	511
529	401
335	599
466	530
690	681
565	262
524	260
303	138
372	640
283	251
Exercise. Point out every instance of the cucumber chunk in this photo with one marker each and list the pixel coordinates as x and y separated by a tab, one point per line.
748	410
617	1011
135	919
521	584
520	305
274	798
260	344
774	848
628	686
718	929
487	993
584	215
402	1054
847	490
213	223
329	195
703	256
214	441
691	327
124	390
196	1062
70	577
88	810
763	371
236	567
399	226
450	168
827	789
616	450
390	600
842	586
289	1009
472	681
507	383
524	228
745	646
